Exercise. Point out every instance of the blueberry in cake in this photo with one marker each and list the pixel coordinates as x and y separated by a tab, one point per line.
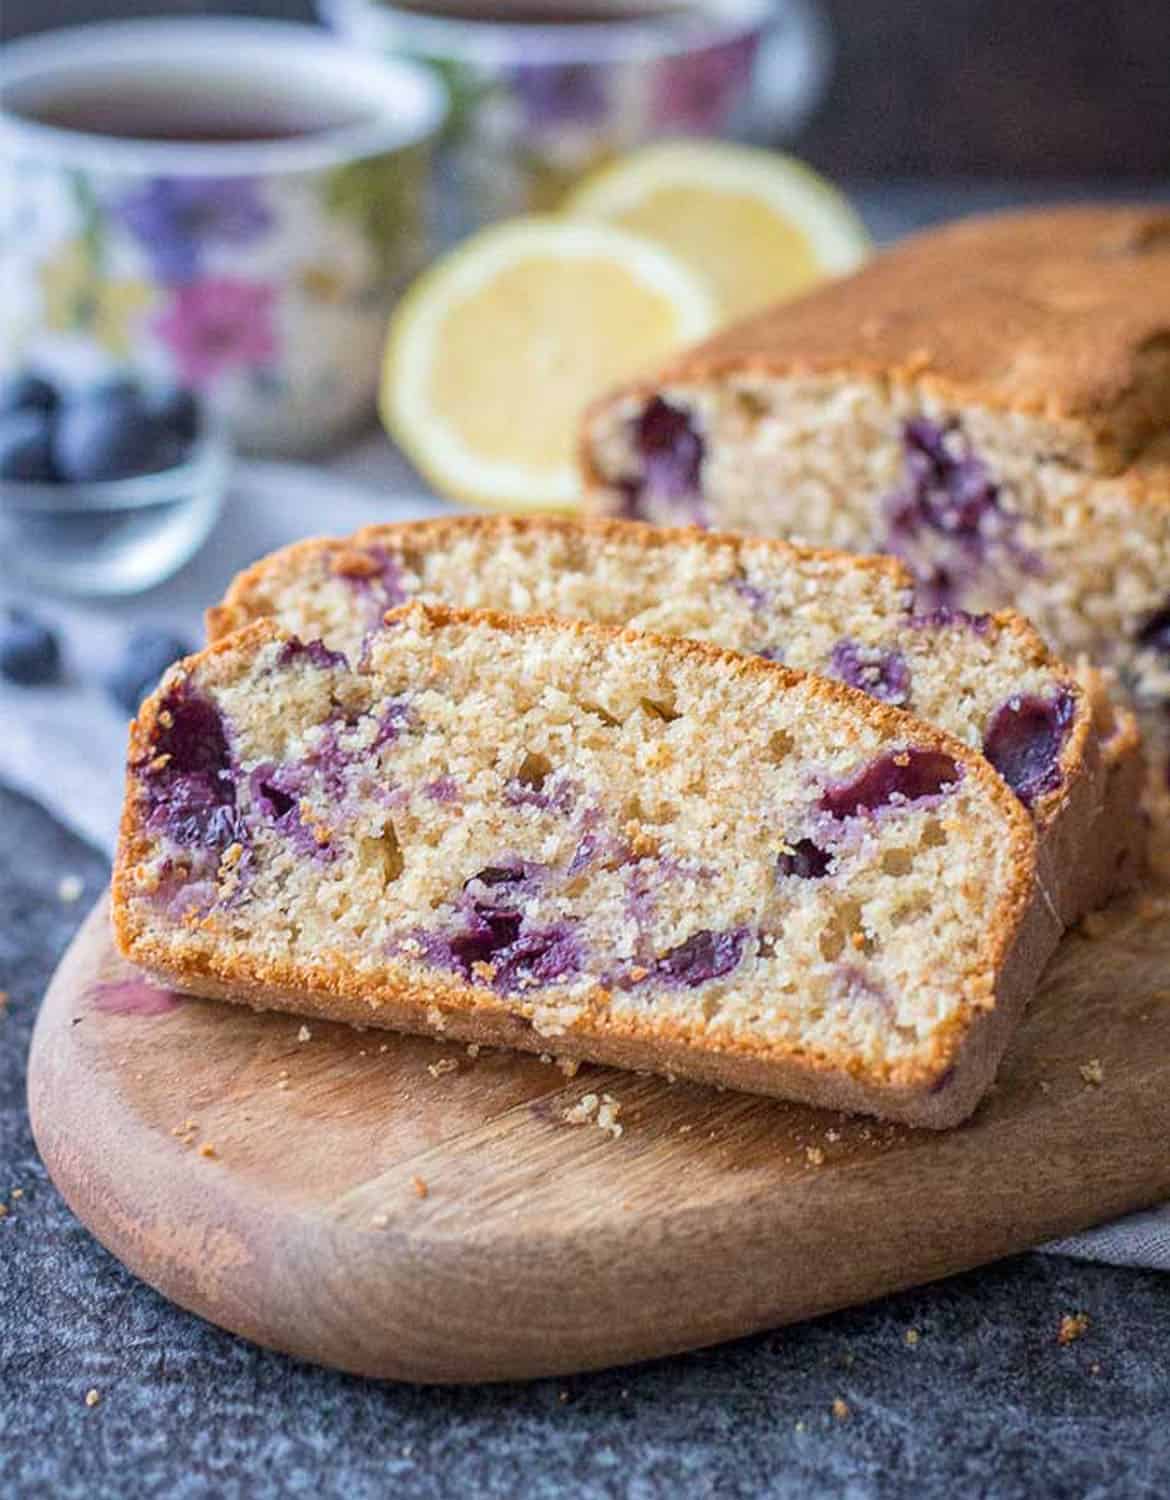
987	679
635	848
989	402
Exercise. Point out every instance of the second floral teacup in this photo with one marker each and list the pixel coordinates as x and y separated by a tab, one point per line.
230	204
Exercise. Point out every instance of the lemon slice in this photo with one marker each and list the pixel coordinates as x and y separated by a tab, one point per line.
495	351
759	226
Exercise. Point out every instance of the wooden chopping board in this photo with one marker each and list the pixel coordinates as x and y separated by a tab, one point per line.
392	1206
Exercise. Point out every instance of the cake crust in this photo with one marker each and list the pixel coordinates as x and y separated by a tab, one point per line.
936	1086
1059	313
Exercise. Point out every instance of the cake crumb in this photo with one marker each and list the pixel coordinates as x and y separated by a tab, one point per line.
473	1049
800	1427
1072	1327
685	1129
816	1157
420	1187
3	1210
92	1396
304	1035
840	1409
208	1150
17	1194
912	1336
546	1057
569	1066
436	1018
583	1111
1095	1368
607	1116
444	1065
1045	1086
832	1136
1092	1072
379	1221
70	888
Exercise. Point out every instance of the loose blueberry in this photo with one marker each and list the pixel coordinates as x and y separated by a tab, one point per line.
703	957
29	651
26	447
1024	743
881	674
905	775
147	655
178	411
27	392
805	860
111	435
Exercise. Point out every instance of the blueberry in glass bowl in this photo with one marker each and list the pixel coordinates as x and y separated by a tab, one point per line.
107	488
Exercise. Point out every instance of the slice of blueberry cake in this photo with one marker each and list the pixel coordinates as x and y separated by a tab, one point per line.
633	848
989	401
987	679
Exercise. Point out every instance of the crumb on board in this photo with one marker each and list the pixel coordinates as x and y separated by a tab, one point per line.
379	1221
912	1336
832	1136
840	1409
420	1187
304	1035
1072	1327
593	1109
1092	1072
569	1066
815	1156
436	1019
208	1150
444	1065
473	1049
92	1396
1045	1086
70	889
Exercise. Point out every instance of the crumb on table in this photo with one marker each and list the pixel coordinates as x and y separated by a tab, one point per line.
1093	1072
1072	1327
444	1065
208	1150
92	1396
420	1186
816	1157
304	1035
912	1336
840	1409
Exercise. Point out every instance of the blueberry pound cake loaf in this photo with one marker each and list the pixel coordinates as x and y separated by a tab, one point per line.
987	679
989	401
632	848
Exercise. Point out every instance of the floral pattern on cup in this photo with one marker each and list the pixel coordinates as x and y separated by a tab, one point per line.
283	283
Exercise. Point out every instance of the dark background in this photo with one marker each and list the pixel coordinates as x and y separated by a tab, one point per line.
998	88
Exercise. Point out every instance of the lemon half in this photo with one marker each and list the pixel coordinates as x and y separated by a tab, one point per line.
757	225
496	350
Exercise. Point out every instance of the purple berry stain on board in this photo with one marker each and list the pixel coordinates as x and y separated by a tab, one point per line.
670	451
132	997
1025	740
881	674
900	777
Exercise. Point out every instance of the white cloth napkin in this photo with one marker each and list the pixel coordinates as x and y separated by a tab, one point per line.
65	745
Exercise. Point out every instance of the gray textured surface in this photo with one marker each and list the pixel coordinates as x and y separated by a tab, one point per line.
986	1404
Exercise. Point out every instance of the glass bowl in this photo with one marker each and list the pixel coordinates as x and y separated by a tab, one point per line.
117	536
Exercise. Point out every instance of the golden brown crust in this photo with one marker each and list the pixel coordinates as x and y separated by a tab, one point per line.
1061	313
937	1087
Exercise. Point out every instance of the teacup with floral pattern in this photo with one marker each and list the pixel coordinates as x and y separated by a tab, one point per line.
241	209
